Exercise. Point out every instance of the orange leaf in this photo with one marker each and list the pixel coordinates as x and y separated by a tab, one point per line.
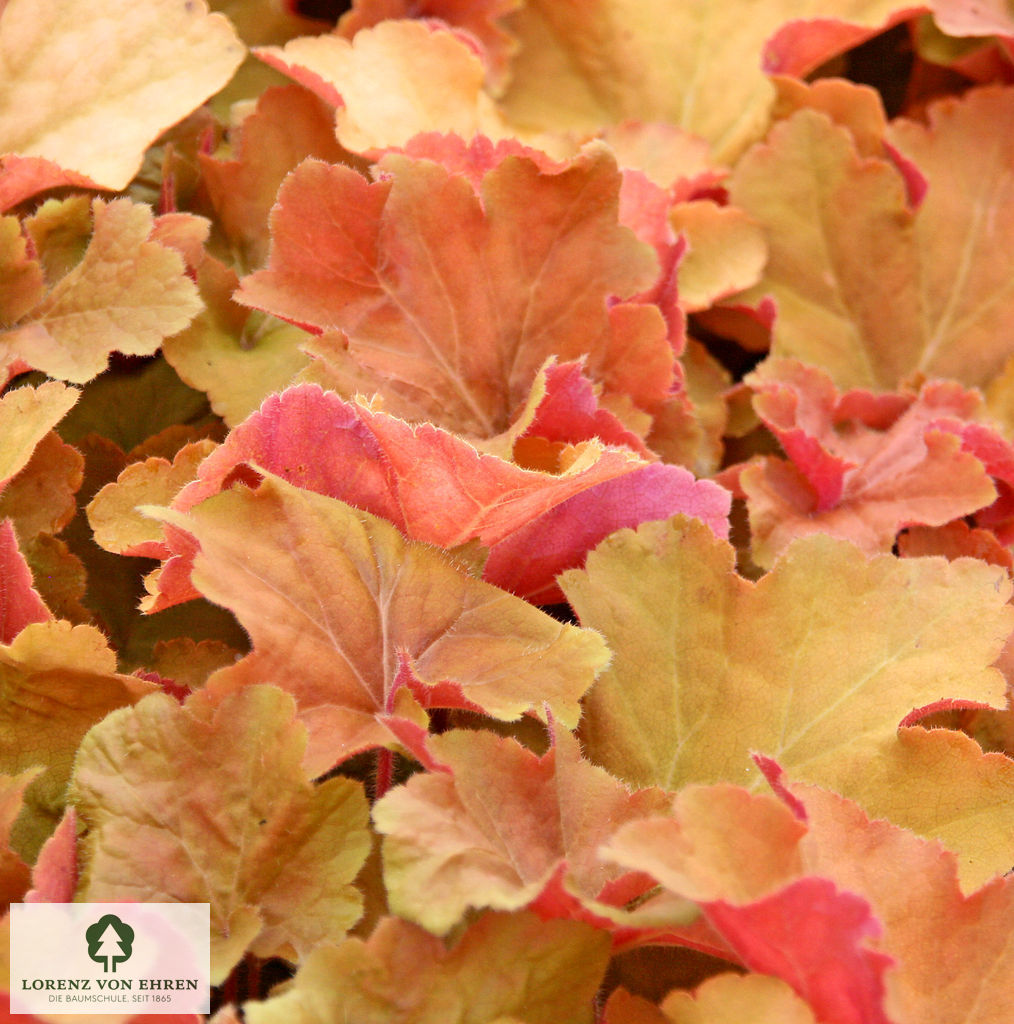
862	466
126	294
616	60
481	18
27	414
462	319
272	854
393	81
546	972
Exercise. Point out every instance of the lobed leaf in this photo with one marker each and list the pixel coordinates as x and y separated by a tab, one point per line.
435	487
278	861
701	66
126	294
466	319
866	287
493	825
393	81
694	645
342	611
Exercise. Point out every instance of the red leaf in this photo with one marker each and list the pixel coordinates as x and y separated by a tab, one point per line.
812	935
20	603
435	487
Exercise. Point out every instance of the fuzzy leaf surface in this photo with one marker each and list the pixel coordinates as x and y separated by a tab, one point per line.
495	822
461	321
342	610
278	862
126	294
393	81
436	487
664	62
547	972
27	414
866	287
694	644
56	682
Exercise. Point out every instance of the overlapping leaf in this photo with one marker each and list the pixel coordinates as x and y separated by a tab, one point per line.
482	19
55	683
495	823
342	611
277	863
288	125
125	293
20	603
694	645
861	466
546	972
394	81
437	488
780	916
699	852
700	66
867	288
26	415
971	931
14	872
731	998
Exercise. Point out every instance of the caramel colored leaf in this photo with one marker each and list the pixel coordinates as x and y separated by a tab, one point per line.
694	645
897	871
91	89
117	525
27	414
726	252
734	998
288	125
699	65
126	294
939	784
56	682
481	18
435	487
967	298
546	972
867	288
21	280
208	803
235	355
342	610
861	466
740	856
41	498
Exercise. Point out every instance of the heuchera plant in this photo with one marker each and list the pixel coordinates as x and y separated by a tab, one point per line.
512	502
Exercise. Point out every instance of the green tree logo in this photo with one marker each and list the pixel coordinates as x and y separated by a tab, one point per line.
110	941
